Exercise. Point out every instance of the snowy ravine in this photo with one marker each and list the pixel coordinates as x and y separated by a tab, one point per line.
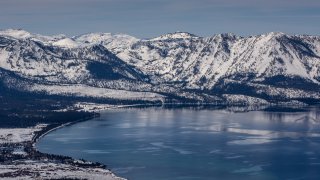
175	67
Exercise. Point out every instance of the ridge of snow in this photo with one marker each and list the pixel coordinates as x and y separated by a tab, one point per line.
15	33
197	62
4	55
66	43
22	34
101	38
114	42
176	35
274	33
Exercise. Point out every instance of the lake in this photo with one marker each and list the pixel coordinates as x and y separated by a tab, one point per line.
191	143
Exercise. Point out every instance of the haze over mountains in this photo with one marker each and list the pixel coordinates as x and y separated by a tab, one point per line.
175	67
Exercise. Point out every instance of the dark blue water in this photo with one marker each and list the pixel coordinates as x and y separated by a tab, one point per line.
173	144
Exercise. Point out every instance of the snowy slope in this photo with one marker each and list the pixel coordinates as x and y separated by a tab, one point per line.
203	61
63	62
174	36
177	64
114	42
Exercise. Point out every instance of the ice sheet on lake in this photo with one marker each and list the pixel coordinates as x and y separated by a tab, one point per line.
252	169
273	134
96	151
122	170
181	151
149	149
250	141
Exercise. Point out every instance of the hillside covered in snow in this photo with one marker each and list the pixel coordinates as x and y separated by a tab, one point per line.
176	67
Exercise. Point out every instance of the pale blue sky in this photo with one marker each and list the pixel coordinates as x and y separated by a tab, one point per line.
150	18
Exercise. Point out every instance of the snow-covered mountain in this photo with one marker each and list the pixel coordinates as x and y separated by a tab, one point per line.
265	68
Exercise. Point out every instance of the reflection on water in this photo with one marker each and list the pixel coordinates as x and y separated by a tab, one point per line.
187	143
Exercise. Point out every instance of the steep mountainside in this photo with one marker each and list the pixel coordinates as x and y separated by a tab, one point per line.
224	68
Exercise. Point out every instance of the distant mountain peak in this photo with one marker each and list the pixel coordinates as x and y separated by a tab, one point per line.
273	34
175	35
15	33
66	43
103	38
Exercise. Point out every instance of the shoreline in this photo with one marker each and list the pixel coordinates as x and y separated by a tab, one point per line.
39	135
70	166
33	164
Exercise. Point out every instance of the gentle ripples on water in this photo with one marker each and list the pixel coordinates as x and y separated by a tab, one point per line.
172	144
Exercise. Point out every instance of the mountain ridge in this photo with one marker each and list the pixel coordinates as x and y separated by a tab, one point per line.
273	67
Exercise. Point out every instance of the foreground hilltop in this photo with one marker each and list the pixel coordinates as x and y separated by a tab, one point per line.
175	67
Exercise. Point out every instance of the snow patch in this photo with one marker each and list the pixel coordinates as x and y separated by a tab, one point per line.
176	35
19	135
16	33
66	43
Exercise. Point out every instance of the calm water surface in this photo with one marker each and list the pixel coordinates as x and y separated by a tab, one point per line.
174	144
